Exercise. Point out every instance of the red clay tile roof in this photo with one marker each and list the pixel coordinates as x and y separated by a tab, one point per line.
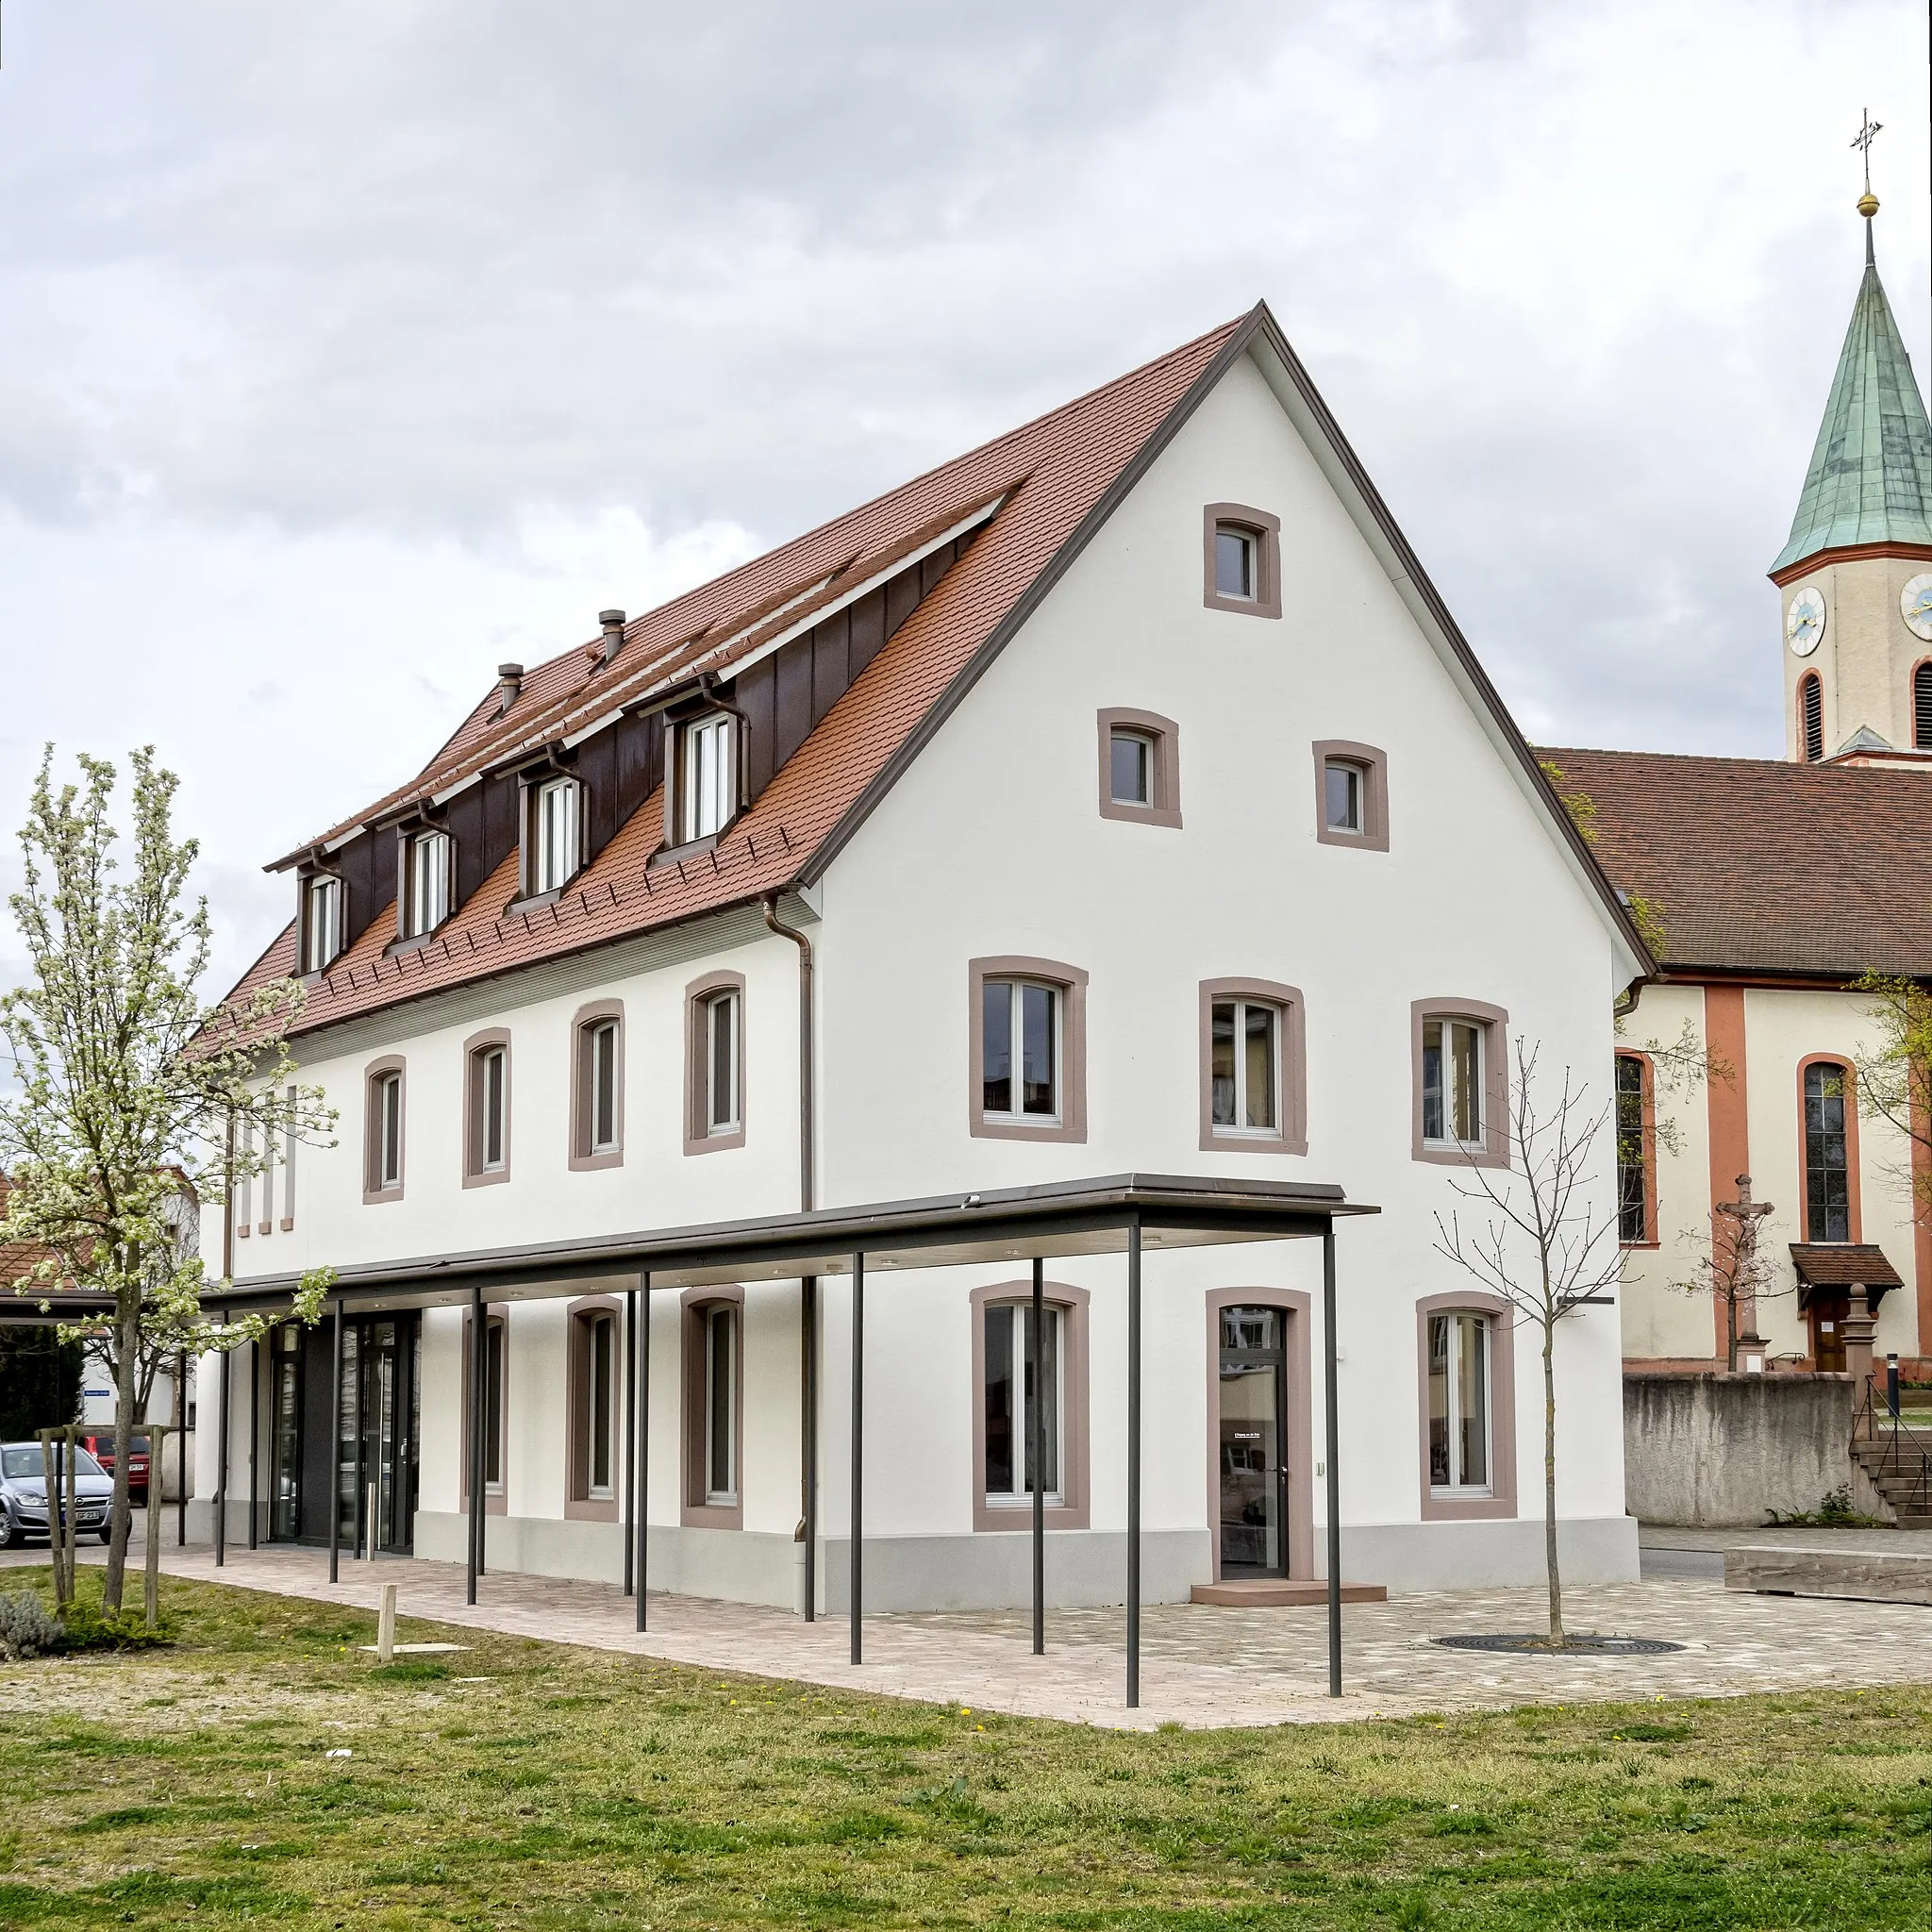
1052	474
1843	1265
1755	865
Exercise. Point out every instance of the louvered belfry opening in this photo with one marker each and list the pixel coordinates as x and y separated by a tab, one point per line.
1922	708
1811	716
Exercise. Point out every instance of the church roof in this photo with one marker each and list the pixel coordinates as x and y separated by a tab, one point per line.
1871	474
1760	867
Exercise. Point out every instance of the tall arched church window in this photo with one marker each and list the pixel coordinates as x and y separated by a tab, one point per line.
1921	706
1827	1162
1811	716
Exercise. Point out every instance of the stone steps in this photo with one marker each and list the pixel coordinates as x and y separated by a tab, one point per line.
1281	1592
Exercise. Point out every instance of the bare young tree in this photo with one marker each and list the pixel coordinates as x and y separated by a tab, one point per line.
1548	1240
133	1101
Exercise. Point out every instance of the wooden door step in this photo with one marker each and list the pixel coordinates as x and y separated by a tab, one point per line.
1280	1592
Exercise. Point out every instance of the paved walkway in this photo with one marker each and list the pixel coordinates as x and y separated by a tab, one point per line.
1200	1666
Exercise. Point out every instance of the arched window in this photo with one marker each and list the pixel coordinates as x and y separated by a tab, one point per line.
1828	1164
1811	716
1921	706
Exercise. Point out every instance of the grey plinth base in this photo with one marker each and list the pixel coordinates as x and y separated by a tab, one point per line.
1865	1574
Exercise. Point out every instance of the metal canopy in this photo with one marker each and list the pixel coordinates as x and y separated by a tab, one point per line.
1117	1214
1085	1217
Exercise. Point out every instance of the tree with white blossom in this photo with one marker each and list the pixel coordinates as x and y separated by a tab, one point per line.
133	1103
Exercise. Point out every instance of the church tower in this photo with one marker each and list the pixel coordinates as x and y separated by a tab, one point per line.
1856	577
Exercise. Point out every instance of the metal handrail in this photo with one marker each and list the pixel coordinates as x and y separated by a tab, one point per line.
1877	1422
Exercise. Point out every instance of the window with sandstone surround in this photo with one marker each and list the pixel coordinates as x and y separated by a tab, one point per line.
486	1107
714	1063
1351	794
1003	1384
1242	558
1026	1025
596	1369
1467	1362
597	1109
713	1407
495	1411
382	1130
1460	1101
1253	1073
1140	768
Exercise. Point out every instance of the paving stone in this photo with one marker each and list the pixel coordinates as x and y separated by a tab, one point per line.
1201	1665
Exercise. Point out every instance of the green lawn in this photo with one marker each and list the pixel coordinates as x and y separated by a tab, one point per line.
572	1789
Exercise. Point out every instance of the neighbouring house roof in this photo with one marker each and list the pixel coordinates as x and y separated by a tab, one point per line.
1036	494
1871	474
1758	866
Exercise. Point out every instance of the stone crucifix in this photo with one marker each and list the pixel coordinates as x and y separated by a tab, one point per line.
1741	1274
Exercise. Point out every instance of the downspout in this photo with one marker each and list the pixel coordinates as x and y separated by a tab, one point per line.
807	1533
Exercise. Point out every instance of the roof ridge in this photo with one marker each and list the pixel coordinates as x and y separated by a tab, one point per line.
492	744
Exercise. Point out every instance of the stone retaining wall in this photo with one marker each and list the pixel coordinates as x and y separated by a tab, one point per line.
1715	1450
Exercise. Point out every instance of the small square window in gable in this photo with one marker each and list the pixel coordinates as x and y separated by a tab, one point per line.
1139	766
1241	556
1351	794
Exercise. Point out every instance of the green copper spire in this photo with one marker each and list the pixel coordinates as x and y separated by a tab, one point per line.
1871	474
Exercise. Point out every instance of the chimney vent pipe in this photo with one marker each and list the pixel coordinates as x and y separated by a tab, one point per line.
612	622
510	681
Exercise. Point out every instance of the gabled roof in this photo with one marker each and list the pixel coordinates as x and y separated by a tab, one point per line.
1040	494
1755	866
1871	474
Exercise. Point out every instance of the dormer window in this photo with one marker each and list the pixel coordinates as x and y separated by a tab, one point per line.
552	847
322	921
708	776
423	897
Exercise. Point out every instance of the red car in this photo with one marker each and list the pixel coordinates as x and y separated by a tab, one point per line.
101	1447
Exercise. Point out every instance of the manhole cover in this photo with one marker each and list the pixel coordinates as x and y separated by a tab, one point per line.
1540	1646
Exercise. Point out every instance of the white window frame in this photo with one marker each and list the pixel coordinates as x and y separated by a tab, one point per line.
1455	1320
733	1123
707	775
427	877
555	834
602	1045
389	1131
491	1102
322	937
1358	795
1477	1142
1150	751
1250	542
600	1324
1016	991
1020	1497
726	1317
1239	1128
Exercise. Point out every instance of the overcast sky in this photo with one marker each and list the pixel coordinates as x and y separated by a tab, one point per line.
346	350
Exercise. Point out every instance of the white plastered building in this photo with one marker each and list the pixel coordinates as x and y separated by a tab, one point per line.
1138	811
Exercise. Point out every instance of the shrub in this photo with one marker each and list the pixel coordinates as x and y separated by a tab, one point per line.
87	1627
26	1627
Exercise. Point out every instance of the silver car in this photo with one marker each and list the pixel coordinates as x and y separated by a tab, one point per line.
23	1493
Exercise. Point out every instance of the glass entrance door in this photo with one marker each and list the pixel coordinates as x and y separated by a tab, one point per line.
1254	1463
375	1436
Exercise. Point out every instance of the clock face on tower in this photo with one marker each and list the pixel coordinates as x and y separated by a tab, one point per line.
1915	607
1805	621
